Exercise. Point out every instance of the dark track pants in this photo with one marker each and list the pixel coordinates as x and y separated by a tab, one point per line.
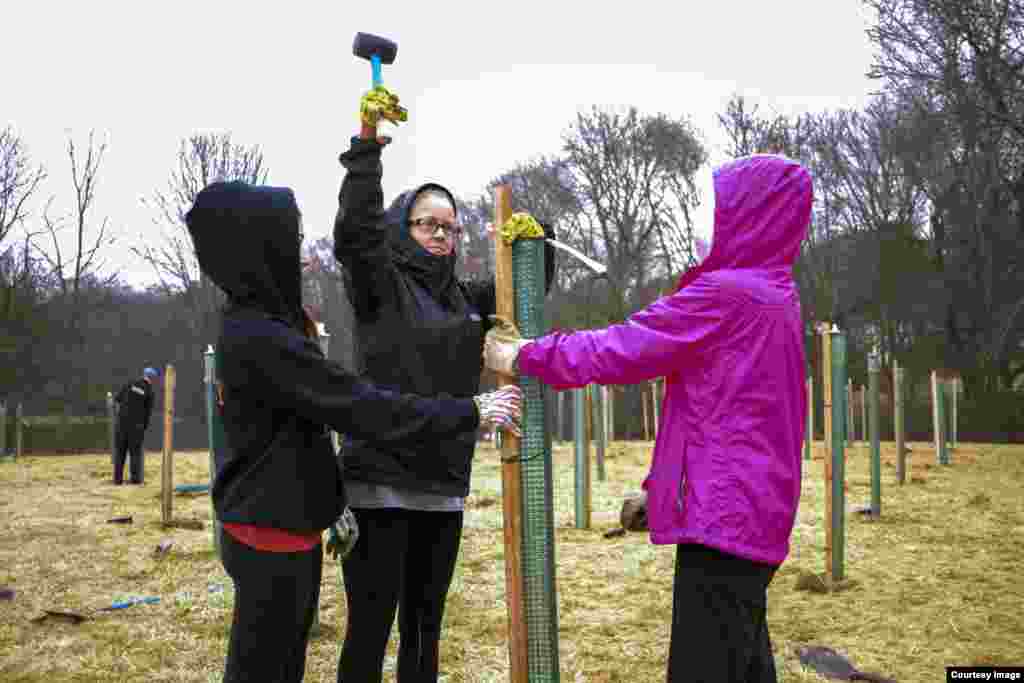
403	559
719	630
276	595
130	443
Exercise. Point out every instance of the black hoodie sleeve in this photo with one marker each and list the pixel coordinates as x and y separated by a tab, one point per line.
360	232
288	371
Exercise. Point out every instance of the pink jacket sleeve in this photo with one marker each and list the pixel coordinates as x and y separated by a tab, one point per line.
651	343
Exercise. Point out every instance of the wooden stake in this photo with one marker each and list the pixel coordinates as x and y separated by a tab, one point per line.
656	404
897	403
936	431
19	431
609	424
809	440
112	429
581	414
953	427
167	471
643	408
864	414
511	485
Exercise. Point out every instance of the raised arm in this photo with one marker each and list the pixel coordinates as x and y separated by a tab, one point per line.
360	232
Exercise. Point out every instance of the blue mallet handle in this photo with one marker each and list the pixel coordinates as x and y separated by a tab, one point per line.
375	63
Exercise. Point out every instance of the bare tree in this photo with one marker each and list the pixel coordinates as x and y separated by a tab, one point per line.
19	180
203	158
634	178
77	270
961	66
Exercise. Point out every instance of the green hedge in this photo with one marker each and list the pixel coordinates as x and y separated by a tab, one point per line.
54	434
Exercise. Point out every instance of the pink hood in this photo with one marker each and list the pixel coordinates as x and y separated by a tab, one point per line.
726	466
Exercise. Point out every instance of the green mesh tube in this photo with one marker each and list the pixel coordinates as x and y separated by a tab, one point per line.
214	432
538	551
839	412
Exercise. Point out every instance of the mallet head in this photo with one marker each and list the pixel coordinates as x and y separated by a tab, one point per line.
366	45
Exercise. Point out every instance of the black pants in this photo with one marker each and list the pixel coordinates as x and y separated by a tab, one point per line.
276	595
129	441
403	559
719	630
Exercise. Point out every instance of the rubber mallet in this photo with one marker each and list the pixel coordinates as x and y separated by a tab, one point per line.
379	51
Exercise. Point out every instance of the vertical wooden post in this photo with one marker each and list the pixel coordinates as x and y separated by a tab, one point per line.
19	431
597	408
809	441
609	395
897	404
656	403
935	412
643	410
864	413
167	471
826	376
953	426
112	429
581	412
511	484
3	429
942	432
560	416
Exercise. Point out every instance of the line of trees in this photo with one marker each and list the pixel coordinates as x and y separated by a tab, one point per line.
914	249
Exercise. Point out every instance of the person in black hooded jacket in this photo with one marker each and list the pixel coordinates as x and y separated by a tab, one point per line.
279	486
419	329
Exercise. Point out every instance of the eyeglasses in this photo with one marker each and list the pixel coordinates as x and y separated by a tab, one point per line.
430	225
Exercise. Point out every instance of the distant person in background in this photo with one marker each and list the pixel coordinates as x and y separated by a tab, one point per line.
134	408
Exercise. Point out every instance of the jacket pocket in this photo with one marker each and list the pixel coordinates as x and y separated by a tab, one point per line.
665	492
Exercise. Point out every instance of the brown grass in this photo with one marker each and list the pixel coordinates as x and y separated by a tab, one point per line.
934	582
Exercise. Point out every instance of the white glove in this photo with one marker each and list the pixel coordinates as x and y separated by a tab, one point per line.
502	345
501	408
342	535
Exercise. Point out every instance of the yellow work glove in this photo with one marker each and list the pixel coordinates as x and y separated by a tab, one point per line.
381	103
502	345
521	225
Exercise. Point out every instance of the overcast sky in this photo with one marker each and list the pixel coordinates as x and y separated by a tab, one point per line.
487	84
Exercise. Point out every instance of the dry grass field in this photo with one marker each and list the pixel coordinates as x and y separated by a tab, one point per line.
935	581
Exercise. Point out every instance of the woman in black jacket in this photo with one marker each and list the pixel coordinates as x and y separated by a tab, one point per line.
419	329
279	486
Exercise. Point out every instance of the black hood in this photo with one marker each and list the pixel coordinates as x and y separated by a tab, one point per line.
435	273
246	239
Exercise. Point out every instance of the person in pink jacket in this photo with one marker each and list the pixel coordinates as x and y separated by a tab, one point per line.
724	482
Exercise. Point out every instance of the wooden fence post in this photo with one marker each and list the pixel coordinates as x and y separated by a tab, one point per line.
897	400
511	483
19	434
167	470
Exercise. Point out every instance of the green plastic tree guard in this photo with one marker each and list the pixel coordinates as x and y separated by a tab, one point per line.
538	549
214	433
874	368
598	408
839	426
